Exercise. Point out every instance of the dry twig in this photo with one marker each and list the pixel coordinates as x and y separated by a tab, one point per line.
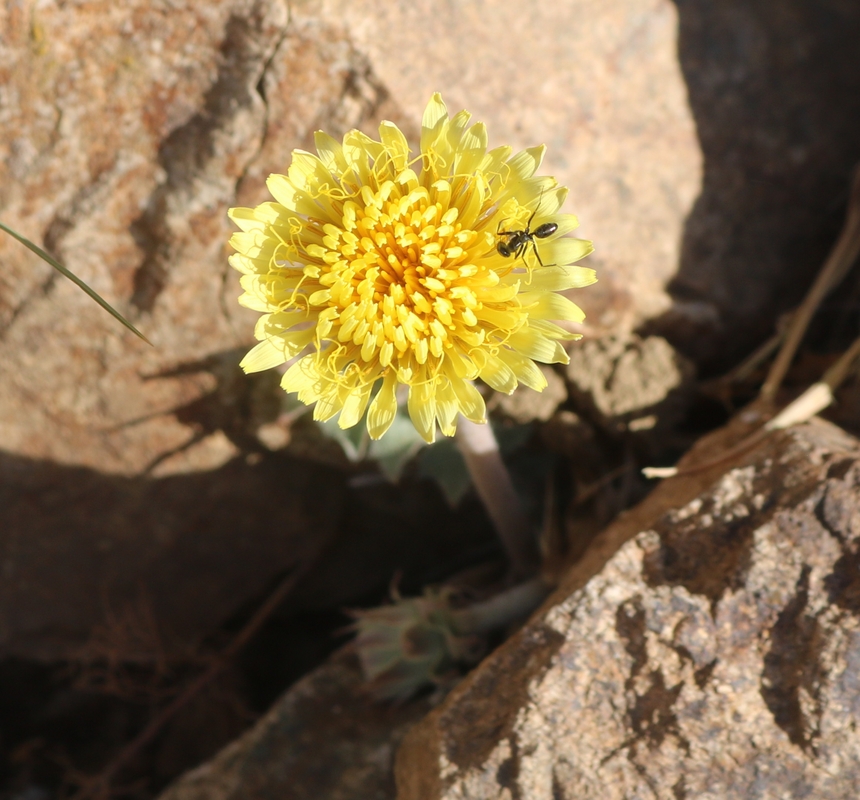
99	786
814	400
835	269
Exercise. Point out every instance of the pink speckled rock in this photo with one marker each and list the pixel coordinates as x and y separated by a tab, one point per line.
713	656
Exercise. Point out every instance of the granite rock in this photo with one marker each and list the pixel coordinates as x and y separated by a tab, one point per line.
714	655
130	129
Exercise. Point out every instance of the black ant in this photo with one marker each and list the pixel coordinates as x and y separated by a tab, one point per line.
520	240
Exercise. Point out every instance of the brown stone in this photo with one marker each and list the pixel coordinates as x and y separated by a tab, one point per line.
713	655
86	557
123	157
325	738
625	383
126	131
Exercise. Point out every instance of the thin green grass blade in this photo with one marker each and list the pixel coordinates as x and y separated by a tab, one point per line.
74	279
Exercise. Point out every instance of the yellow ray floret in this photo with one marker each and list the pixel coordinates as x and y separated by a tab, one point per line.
375	268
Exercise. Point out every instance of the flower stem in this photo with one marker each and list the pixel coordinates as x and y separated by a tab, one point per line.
493	483
506	607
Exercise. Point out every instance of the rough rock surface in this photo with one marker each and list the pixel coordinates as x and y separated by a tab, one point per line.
129	129
83	552
715	655
630	383
323	739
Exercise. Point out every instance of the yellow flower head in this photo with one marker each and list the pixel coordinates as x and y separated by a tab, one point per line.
384	269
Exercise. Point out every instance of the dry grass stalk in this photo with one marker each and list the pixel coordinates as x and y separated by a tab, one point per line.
835	269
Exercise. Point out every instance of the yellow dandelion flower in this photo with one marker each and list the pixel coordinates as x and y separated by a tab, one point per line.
374	268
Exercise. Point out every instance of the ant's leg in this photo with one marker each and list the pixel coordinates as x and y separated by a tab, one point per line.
529	223
537	256
521	251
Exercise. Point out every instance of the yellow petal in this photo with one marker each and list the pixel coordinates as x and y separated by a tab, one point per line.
472	148
301	376
565	251
330	152
559	278
422	409
525	163
383	409
395	143
447	408
354	406
470	401
493	163
498	375
245	218
435	116
551	330
525	369
566	223
549	202
265	355
290	197
549	305
243	264
533	344
327	406
253	301
307	171
456	128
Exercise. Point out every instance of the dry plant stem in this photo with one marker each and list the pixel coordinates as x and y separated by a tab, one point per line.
493	483
509	606
759	356
733	452
814	400
603	481
834	270
102	781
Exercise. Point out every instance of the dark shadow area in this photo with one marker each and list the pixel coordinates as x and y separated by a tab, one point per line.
82	549
775	91
118	591
792	669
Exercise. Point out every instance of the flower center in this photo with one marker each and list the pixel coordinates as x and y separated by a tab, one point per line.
400	275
